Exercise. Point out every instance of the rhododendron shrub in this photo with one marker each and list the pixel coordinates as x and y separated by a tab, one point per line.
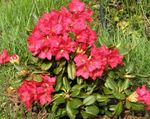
69	74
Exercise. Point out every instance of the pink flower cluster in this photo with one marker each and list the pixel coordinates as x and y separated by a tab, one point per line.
31	91
59	33
94	65
6	58
143	96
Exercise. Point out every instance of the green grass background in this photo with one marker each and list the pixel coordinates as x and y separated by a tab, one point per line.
17	19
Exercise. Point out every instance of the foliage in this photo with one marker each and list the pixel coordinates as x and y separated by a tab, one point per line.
81	89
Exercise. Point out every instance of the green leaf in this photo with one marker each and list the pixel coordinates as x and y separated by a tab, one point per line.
37	78
126	84
54	107
93	110
75	93
71	70
76	89
135	106
58	99
59	82
106	90
89	100
101	98
119	95
60	67
110	83
118	108
70	111
75	103
85	115
79	80
66	84
46	65
61	112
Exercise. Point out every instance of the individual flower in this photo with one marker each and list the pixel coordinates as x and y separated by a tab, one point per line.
114	58
76	6
4	57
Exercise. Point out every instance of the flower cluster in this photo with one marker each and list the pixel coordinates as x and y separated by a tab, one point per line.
59	33
31	91
94	65
141	95
6	58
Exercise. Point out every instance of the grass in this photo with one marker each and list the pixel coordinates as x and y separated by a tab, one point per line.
17	19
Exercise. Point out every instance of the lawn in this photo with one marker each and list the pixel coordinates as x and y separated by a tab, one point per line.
18	17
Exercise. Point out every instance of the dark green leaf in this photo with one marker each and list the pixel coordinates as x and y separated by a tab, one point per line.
46	65
61	112
37	78
75	103
75	93
101	98
118	108
66	84
126	84
135	106
60	67
110	83
59	83
79	80
71	70
89	100
119	95
106	90
93	110
58	99
70	111
54	107
85	115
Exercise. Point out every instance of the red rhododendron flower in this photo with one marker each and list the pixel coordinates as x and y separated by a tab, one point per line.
31	91
50	36
76	6
94	65
4	57
114	58
143	96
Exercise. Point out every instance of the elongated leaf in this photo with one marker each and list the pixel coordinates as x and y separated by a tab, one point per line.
71	113
89	100
58	99
85	115
59	83
46	66
101	98
75	103
135	106
110	83
126	84
66	84
118	108
37	78
71	70
119	95
93	110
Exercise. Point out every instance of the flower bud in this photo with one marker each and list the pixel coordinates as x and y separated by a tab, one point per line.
133	97
14	59
23	72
